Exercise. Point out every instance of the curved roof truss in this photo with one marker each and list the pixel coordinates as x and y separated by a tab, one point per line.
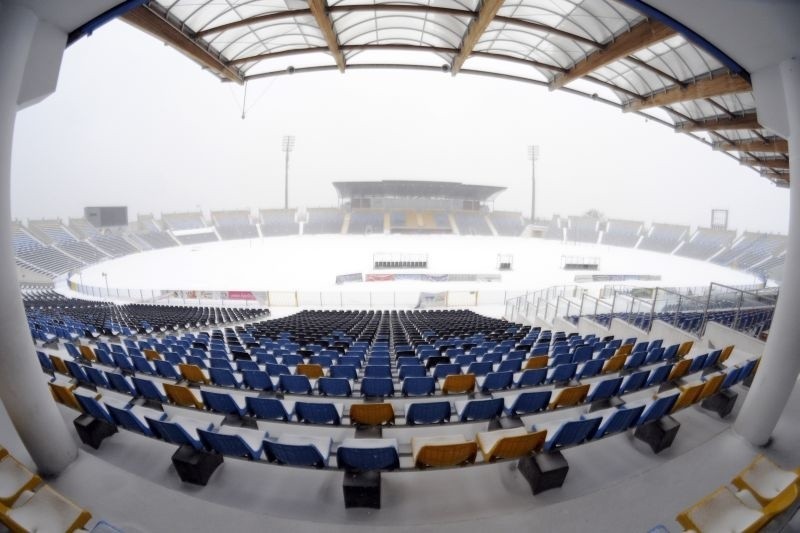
620	52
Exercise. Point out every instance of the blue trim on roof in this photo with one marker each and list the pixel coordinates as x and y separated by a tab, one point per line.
690	35
88	27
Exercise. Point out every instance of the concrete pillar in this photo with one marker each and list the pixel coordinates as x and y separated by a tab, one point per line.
23	389
780	364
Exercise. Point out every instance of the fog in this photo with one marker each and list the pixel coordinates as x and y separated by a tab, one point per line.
136	123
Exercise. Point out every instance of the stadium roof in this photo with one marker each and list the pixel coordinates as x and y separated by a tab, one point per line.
621	52
416	189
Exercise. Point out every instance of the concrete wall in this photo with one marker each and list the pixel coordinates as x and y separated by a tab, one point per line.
718	336
670	334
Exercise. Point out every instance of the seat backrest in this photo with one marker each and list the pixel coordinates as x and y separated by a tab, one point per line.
181	395
620	420
173	433
615	363
482	409
457	384
590	368
446	369
684	349
531	402
371	414
539	361
377	454
573	432
479	369
418	386
219	402
634	382
605	389
517	446
193	373
126	419
317	413
698	362
679	369
266	408
294	384
334	386
377	387
711	387
688	396
295	454
232	445
570	396
92	407
343	371
257	380
658	408
147	389
427	413
443	455
495	381
63	394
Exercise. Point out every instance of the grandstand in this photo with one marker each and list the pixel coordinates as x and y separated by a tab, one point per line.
507	223
622	233
664	238
234	225
323	221
276	222
406	419
706	243
583	229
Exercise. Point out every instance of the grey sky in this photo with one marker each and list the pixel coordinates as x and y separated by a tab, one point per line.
136	123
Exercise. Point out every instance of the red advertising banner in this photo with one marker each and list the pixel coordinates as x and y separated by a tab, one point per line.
241	295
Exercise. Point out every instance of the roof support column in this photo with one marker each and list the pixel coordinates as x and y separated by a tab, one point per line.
23	389
780	363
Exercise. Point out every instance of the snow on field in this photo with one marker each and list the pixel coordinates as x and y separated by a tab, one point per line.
312	262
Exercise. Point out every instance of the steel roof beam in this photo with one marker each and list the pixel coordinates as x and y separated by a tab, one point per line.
774	145
705	88
782	164
748	121
488	10
319	8
149	21
638	37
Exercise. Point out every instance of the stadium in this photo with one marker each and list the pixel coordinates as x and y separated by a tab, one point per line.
412	356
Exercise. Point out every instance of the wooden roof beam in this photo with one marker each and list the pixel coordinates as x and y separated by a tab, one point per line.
775	145
777	164
319	8
162	29
488	10
748	121
638	37
705	88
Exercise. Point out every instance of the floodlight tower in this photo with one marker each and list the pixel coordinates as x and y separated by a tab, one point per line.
287	146
533	155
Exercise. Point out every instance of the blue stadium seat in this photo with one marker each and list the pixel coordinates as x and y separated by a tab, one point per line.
634	382
294	384
334	386
237	442
377	387
222	402
427	413
223	377
571	433
495	381
527	402
604	390
319	413
257	380
470	410
297	450
364	455
418	386
268	408
621	419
